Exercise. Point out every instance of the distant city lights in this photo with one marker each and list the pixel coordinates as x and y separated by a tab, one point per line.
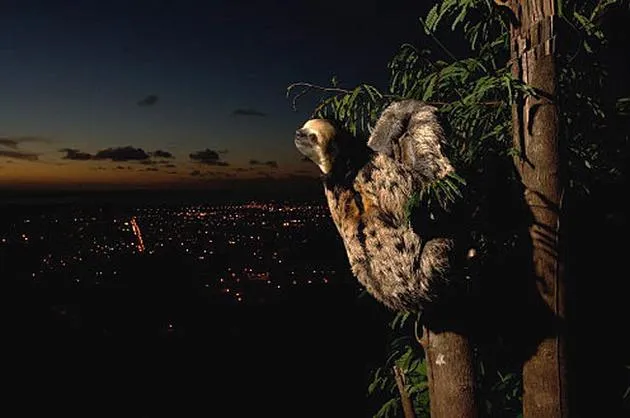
234	250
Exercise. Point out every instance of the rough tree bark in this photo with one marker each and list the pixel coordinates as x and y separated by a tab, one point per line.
451	374
407	404
535	125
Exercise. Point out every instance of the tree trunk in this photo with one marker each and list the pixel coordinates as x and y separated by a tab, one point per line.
450	373
535	124
407	404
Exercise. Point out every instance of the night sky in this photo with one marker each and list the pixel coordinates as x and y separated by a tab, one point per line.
176	93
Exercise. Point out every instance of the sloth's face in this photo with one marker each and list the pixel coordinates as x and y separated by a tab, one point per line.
316	140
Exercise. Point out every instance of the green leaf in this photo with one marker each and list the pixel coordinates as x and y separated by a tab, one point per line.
354	95
429	90
389	408
431	19
623	106
460	17
418	388
374	385
587	47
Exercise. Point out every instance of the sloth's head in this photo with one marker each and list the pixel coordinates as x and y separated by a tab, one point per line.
317	140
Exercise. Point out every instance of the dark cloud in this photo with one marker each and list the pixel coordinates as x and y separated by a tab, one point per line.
205	155
264	174
75	154
169	165
240	169
171	172
270	164
19	155
151	169
248	112
127	153
161	154
150	100
120	167
208	157
218	163
14	142
195	173
9	143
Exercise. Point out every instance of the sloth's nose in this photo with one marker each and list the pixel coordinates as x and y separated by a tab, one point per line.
299	134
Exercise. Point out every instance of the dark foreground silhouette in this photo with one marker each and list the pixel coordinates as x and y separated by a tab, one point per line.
306	356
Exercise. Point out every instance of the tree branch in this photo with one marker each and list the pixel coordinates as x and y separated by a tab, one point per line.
405	400
308	87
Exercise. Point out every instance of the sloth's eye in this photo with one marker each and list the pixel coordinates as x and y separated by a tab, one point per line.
312	137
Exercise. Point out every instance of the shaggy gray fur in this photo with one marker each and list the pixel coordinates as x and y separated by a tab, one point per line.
409	132
396	265
385	254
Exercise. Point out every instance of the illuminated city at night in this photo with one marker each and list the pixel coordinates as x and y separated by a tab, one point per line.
193	284
250	253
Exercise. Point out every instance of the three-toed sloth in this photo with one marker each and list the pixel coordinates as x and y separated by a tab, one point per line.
369	187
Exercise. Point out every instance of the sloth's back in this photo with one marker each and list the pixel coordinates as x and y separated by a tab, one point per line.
384	252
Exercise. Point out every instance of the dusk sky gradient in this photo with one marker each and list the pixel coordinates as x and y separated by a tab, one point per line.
81	79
